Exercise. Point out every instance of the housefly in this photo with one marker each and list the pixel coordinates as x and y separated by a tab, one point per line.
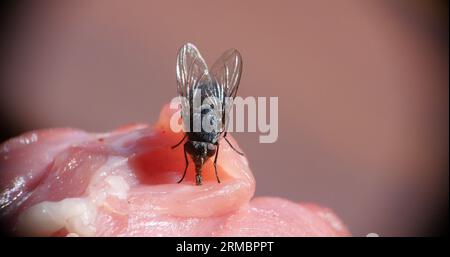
206	98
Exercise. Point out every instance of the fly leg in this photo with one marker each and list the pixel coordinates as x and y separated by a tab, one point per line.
187	164
179	143
215	162
232	147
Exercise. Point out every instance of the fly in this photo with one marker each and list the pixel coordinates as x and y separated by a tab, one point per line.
216	90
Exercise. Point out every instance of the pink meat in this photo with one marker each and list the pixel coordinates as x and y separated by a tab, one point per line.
57	164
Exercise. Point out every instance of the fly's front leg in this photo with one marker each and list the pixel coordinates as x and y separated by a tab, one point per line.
187	163
179	143
215	162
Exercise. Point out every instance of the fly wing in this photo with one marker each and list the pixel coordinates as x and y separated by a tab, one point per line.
226	73
192	72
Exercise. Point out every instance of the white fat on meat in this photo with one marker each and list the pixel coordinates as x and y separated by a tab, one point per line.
77	215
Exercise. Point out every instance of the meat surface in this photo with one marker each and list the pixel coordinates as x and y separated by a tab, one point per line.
68	182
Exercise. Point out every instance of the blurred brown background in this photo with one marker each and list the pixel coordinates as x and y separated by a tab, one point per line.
362	87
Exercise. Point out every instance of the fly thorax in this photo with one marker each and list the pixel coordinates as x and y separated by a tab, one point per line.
210	120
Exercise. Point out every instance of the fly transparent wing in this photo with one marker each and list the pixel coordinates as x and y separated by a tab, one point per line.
192	72
226	72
